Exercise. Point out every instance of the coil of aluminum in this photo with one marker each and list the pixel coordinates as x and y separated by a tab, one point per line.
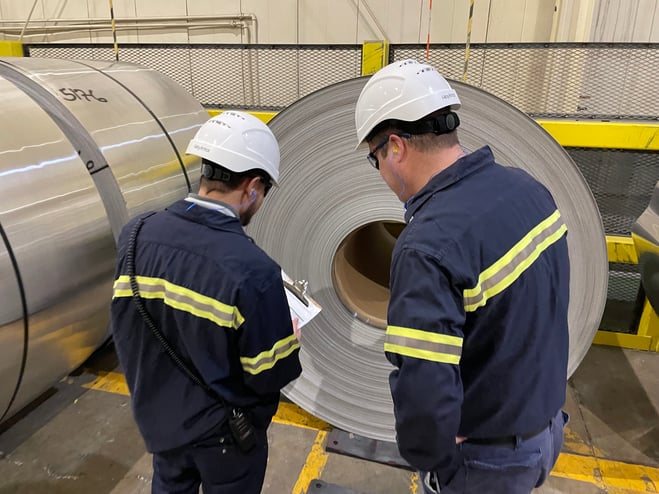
84	146
334	223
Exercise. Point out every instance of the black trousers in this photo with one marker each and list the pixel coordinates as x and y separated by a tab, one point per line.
216	464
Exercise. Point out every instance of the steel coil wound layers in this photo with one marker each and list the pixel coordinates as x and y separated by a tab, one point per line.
334	223
84	146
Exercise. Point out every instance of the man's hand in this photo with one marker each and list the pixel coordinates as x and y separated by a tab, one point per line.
296	330
459	440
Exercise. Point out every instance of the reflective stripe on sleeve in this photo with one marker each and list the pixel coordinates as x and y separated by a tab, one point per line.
423	344
181	298
510	267
267	359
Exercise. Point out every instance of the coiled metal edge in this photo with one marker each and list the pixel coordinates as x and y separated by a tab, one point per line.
329	198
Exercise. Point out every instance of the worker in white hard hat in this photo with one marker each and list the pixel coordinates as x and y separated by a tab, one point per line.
477	322
200	319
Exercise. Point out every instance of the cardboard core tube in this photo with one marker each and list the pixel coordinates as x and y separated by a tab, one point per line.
360	270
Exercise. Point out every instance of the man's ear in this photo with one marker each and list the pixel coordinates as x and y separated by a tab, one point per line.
397	143
248	184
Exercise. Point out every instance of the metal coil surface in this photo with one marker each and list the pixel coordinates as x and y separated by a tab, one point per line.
83	147
334	220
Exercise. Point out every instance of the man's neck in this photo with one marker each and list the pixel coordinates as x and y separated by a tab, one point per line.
231	198
430	164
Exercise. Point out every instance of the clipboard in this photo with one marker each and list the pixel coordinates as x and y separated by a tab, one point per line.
300	303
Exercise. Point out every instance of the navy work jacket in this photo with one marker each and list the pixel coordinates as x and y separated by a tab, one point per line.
219	300
477	321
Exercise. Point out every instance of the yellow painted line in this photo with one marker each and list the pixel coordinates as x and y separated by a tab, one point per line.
576	444
313	466
621	249
287	413
291	414
603	135
110	382
614	477
414	483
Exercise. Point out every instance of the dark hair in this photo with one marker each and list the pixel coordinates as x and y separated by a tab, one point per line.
218	178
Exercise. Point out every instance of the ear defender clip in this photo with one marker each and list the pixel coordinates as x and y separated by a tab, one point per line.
443	124
214	173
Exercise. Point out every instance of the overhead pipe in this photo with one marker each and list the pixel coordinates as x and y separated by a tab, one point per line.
237	21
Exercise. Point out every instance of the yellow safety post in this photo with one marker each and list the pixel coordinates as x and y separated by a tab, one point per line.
648	326
375	55
621	250
264	116
11	49
640	136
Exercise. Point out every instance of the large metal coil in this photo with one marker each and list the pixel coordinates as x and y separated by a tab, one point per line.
83	147
333	222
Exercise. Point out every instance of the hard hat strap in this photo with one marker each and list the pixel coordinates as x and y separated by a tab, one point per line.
443	123
213	172
439	124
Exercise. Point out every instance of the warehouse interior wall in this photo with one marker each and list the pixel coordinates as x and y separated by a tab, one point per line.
329	21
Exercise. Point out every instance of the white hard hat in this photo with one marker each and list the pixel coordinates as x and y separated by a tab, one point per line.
238	142
405	90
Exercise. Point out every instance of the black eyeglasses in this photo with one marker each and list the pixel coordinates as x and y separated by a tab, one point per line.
372	159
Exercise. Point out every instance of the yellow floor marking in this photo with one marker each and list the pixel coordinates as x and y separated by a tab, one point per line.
313	466
612	476
291	414
414	482
287	413
576	444
111	382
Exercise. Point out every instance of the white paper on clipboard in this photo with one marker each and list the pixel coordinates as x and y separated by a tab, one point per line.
301	304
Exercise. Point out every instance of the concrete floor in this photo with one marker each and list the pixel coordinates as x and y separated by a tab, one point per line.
80	438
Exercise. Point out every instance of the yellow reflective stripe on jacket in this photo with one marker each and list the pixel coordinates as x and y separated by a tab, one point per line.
423	344
508	268
268	358
181	298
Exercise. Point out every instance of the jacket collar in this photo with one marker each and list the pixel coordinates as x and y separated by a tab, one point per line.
204	216
448	177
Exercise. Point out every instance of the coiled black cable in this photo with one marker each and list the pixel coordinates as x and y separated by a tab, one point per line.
148	320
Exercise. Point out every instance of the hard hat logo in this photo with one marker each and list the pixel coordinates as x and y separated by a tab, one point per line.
238	142
198	147
406	90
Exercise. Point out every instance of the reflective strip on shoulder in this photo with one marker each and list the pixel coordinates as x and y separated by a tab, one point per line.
510	267
181	298
267	359
423	345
